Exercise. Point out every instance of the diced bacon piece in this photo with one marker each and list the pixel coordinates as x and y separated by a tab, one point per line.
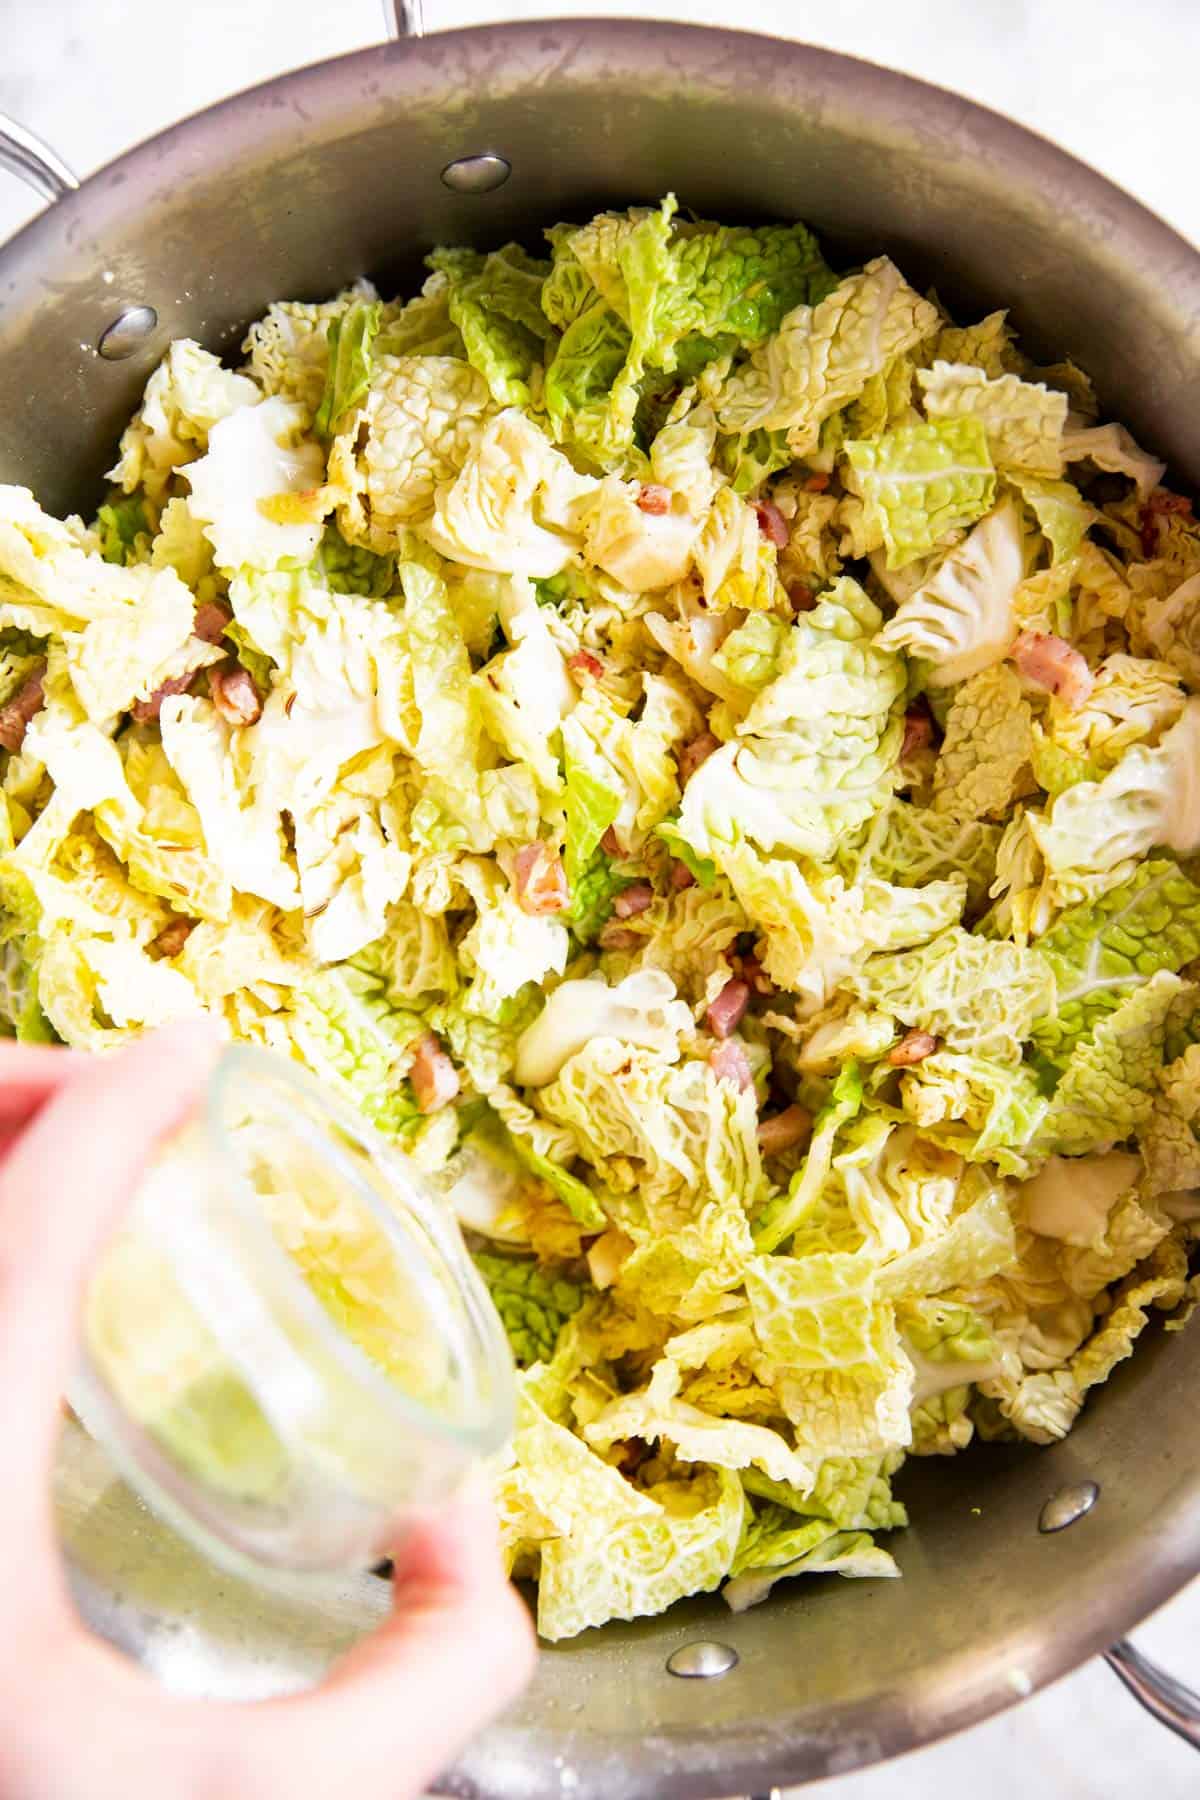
633	900
918	732
17	712
611	844
772	523
654	498
619	937
816	484
433	1075
1157	507
145	712
234	695
694	753
1051	663
173	937
729	1062
681	875
801	596
585	667
211	622
784	1130
913	1047
726	1011
540	879
752	972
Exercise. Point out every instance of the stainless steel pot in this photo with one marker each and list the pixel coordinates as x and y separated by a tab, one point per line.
360	165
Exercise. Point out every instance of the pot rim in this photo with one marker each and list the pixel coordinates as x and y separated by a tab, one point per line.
255	115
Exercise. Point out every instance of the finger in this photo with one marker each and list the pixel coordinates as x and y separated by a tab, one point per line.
64	1182
392	1716
29	1073
457	1649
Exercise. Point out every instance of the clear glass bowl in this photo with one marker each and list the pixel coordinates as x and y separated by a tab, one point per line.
286	1345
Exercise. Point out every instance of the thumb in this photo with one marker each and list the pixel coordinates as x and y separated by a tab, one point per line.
62	1185
457	1649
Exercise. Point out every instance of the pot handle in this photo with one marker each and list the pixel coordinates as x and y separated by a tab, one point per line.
1164	1698
38	166
404	18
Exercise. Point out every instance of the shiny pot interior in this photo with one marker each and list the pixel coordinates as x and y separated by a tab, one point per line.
292	190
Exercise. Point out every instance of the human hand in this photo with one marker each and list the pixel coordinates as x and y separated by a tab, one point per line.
79	1722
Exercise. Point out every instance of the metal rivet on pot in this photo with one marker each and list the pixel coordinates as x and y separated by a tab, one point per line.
477	174
1067	1505
128	333
701	1660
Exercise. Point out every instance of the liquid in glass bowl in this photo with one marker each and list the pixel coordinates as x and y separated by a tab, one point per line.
286	1346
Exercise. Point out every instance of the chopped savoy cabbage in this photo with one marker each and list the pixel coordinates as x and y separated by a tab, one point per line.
702	750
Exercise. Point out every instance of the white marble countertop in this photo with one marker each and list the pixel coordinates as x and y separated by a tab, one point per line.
1114	83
